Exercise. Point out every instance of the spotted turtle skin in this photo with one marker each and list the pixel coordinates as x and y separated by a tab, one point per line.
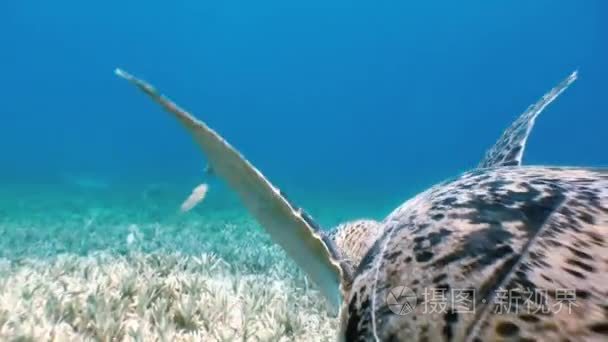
515	230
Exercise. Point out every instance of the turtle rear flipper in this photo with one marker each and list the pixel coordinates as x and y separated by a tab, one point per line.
287	224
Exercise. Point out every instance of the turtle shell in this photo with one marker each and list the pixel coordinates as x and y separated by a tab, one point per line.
498	254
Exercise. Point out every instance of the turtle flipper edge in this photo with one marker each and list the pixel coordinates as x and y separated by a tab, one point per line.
509	149
287	224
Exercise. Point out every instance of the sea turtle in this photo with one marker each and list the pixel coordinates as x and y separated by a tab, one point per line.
496	250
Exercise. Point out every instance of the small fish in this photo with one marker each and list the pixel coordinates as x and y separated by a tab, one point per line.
209	171
198	194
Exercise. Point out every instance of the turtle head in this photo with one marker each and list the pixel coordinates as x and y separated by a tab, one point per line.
355	238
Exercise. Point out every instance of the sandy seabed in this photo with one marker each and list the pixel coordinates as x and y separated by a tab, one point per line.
81	268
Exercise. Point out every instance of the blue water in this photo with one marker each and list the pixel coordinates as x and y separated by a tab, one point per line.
362	99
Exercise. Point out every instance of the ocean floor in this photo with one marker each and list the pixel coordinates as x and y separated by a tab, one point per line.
123	264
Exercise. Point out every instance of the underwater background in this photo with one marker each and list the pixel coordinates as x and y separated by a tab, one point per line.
350	107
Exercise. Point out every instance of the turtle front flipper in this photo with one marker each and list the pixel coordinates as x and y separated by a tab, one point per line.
509	149
287	224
